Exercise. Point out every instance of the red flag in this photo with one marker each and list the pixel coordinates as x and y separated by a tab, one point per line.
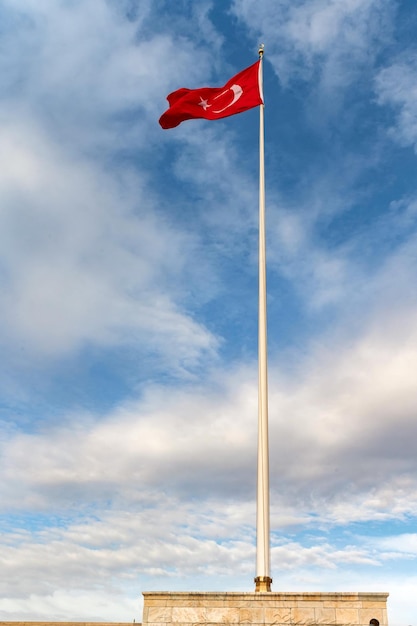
240	93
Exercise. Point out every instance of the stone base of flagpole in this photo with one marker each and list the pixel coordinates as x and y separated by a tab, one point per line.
262	583
264	609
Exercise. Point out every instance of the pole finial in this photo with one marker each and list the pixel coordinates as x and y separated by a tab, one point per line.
261	50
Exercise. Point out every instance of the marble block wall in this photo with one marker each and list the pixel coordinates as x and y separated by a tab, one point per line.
268	609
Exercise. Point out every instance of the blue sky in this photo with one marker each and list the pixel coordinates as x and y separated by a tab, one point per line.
128	314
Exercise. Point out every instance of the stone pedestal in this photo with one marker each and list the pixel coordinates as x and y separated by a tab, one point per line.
267	609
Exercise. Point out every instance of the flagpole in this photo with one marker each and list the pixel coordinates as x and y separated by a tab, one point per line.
263	580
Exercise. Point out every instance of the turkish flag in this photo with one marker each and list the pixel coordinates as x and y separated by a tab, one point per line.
240	93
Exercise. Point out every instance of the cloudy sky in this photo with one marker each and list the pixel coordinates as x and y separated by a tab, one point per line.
128	302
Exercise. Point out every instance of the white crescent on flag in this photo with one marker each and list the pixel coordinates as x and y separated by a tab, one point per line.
237	92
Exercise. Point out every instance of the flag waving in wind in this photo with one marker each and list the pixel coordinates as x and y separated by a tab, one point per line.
240	93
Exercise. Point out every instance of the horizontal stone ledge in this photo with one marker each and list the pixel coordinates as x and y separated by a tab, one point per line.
290	596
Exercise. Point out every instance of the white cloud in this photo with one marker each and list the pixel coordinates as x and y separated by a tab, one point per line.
324	36
77	259
396	86
293	556
95	78
403	544
341	452
352	415
129	550
364	274
85	258
346	416
96	605
227	193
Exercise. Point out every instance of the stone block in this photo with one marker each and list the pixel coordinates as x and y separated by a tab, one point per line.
278	615
301	616
346	604
189	615
223	615
251	615
347	616
156	614
365	615
325	616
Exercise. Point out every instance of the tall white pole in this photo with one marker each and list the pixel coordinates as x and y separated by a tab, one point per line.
262	580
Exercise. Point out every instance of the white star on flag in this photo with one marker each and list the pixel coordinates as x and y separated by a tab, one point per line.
204	103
